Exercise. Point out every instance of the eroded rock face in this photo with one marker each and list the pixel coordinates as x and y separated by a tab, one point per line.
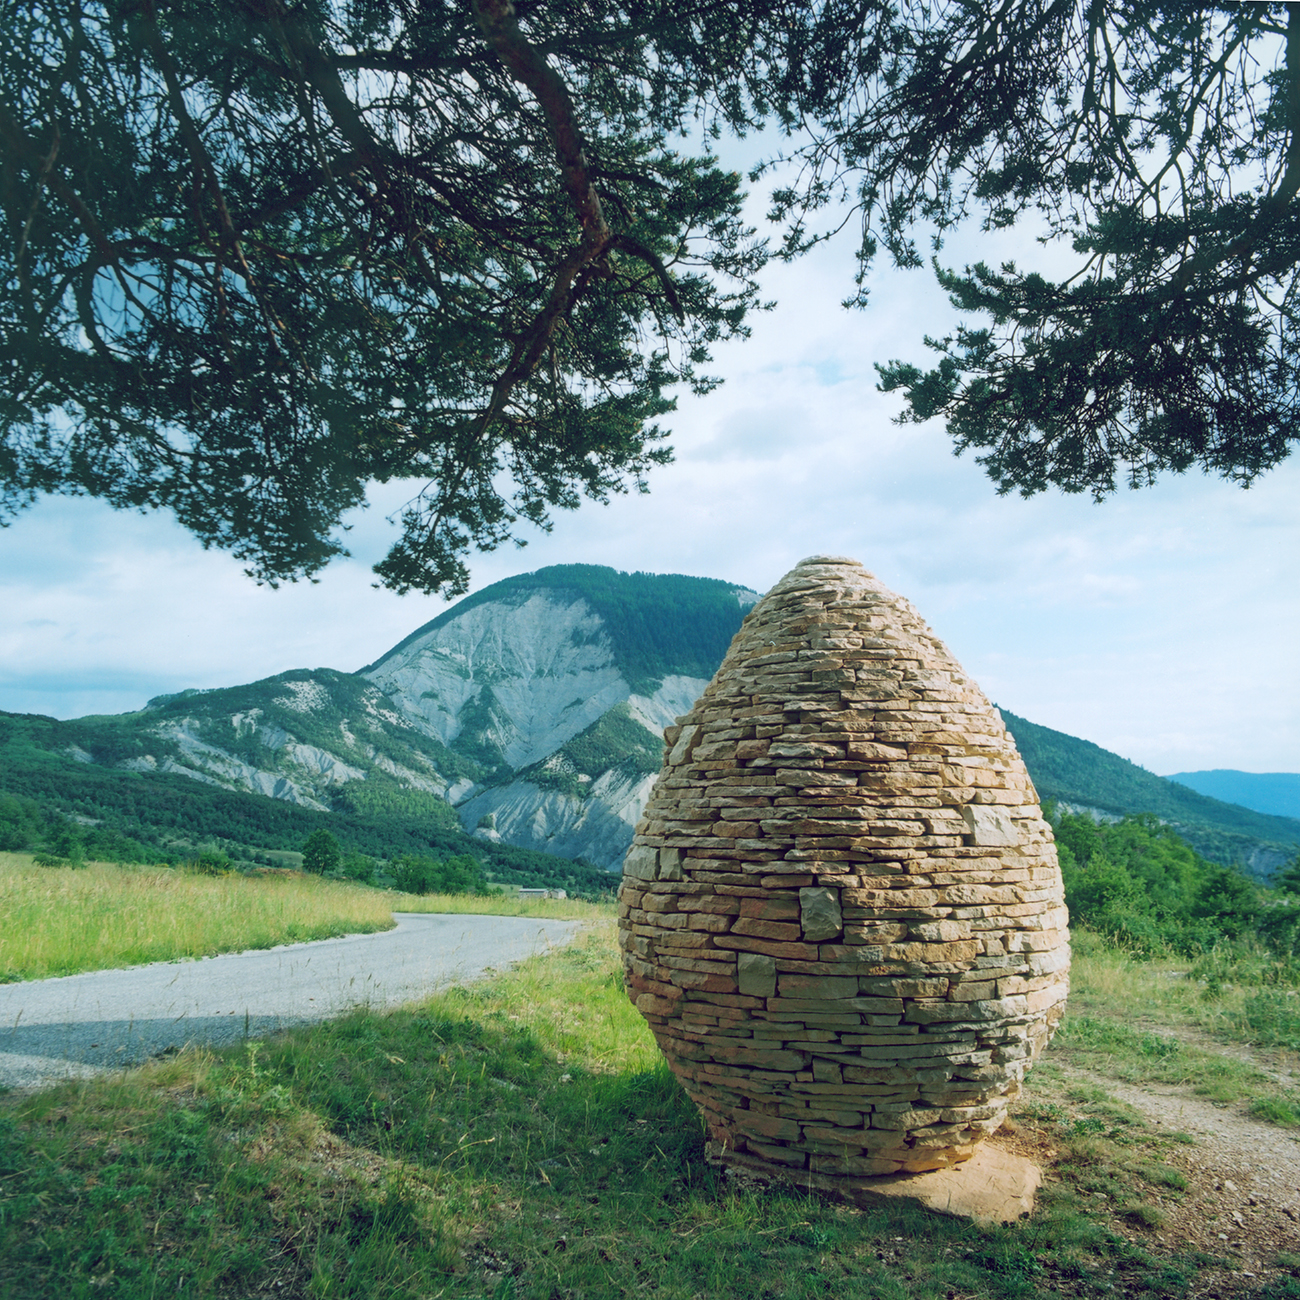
842	913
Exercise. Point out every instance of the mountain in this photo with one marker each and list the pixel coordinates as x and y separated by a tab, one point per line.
1267	792
1083	776
66	782
559	684
529	715
321	739
535	706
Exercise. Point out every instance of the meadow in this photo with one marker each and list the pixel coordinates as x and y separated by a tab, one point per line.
522	1139
63	920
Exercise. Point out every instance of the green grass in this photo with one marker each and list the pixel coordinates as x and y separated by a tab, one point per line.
1189	1031
516	1140
1274	1018
62	920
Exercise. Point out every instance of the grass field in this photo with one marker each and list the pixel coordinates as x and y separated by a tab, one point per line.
62	920
1160	1021
521	1139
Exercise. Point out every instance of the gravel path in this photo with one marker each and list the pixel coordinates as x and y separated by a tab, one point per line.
83	1024
1243	1178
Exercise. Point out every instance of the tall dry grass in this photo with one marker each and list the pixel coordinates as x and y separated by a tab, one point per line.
555	909
62	920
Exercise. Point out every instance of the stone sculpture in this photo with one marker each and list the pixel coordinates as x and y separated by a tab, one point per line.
842	913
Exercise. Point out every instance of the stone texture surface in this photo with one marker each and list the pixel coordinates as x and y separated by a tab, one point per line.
994	1186
842	913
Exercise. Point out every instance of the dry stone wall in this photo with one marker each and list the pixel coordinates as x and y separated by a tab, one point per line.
842	913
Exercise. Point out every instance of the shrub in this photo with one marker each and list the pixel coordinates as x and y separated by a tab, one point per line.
1138	883
358	867
462	874
321	854
211	862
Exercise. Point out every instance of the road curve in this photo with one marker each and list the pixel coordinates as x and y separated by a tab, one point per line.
81	1025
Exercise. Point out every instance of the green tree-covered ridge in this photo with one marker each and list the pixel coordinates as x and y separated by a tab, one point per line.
657	623
1275	793
1073	771
54	802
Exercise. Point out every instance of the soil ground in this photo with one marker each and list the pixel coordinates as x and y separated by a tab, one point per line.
1241	1208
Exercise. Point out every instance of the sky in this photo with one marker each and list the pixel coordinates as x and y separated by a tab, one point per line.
1162	624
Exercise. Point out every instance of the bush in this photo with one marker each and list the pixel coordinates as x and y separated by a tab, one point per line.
66	843
321	855
1279	927
462	874
1228	901
210	863
1137	882
358	867
1288	878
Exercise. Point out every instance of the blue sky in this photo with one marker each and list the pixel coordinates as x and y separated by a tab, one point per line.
1161	624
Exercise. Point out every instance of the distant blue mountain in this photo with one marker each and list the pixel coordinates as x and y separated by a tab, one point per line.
1267	792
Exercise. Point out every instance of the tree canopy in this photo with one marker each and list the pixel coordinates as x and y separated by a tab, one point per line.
1161	143
321	853
262	253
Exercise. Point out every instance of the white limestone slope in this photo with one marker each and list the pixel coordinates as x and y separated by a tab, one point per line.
207	762
675	696
596	826
505	684
529	672
288	768
546	660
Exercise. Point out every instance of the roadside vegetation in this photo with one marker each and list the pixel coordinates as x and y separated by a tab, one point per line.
63	919
521	1138
1184	940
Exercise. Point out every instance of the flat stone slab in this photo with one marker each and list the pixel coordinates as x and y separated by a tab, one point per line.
993	1186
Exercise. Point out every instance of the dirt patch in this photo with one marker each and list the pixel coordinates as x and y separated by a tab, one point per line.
1243	1197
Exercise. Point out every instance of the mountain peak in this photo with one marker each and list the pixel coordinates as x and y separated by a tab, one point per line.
658	623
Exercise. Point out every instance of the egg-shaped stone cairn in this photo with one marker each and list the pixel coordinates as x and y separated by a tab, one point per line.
842	913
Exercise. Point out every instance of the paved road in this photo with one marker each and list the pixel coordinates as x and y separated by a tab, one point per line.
83	1024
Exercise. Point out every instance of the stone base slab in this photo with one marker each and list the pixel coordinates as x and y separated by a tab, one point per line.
994	1186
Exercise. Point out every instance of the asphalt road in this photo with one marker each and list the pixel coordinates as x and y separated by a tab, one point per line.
81	1025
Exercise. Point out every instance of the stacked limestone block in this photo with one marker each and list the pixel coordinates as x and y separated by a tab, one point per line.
842	913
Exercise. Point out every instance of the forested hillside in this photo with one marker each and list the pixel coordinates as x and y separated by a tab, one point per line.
529	714
1079	773
1141	884
54	802
1277	793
